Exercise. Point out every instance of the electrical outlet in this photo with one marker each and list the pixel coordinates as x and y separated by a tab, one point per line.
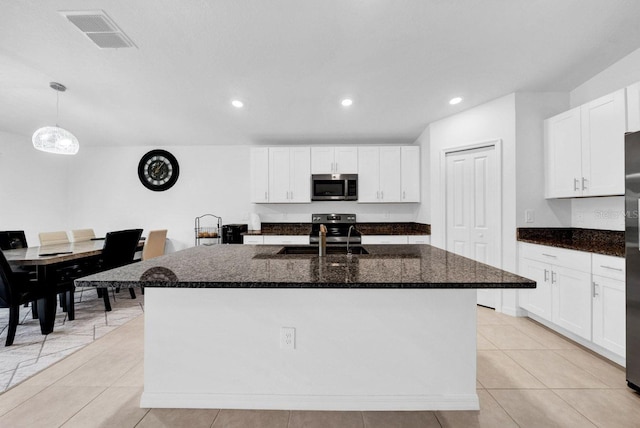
529	216
287	338
387	214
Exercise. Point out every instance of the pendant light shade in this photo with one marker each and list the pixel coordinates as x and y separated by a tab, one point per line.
53	139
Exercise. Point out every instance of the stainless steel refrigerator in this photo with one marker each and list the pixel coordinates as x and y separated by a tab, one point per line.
632	256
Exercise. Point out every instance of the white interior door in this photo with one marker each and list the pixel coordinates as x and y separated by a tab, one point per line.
473	209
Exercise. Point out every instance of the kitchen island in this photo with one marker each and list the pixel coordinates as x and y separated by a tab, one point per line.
247	327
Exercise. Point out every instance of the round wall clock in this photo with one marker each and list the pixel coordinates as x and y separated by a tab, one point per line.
158	170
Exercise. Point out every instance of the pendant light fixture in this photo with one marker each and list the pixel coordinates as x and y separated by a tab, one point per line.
54	139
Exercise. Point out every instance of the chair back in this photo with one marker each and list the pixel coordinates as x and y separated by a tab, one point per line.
79	235
12	239
120	247
6	275
154	245
53	238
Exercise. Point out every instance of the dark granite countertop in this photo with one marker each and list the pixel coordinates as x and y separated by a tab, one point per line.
403	228
608	242
259	266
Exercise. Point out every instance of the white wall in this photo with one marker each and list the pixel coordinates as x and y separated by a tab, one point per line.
531	110
619	75
107	195
33	188
598	213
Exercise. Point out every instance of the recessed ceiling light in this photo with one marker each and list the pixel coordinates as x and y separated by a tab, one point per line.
455	100
237	103
346	102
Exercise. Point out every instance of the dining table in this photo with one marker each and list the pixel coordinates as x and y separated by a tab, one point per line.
49	259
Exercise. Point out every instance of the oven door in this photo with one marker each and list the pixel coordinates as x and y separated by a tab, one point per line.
325	187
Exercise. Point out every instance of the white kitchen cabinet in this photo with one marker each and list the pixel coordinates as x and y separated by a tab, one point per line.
571	299
584	149
563	154
603	128
286	239
378	174
633	107
334	160
384	239
419	239
536	300
410	173
289	175
253	239
609	303
259	173
563	292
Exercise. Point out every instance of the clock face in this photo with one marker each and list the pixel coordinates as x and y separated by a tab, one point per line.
158	170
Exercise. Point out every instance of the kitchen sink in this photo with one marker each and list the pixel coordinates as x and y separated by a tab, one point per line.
355	249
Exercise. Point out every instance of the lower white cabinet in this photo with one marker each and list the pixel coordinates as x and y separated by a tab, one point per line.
253	239
286	240
580	292
384	239
609	303
419	239
563	292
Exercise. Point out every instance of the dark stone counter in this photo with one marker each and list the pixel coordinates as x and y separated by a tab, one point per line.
607	242
405	228
257	266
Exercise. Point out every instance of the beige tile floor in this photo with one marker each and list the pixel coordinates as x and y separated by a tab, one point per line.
527	377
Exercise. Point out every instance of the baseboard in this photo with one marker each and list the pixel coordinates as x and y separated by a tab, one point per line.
310	402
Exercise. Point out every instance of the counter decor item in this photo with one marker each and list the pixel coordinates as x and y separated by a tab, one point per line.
158	170
254	222
208	229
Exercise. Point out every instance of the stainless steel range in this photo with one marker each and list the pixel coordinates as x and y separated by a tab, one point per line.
337	229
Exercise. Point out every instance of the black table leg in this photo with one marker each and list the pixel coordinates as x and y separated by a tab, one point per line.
46	305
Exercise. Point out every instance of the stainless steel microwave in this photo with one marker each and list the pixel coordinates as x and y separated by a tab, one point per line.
334	187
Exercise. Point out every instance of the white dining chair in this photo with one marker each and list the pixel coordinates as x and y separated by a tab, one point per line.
154	244
53	238
79	235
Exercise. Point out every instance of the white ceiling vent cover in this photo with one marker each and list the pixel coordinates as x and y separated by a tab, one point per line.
99	28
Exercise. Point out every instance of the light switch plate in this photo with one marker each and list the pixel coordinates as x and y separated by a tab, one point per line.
529	216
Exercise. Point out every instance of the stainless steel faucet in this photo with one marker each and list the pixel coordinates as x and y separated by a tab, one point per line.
349	237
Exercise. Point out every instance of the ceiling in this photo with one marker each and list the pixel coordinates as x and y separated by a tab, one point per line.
291	62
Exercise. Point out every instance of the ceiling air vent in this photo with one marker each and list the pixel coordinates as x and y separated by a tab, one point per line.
98	27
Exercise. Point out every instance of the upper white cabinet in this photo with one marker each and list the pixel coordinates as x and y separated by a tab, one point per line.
410	173
633	107
584	149
563	150
379	174
259	164
289	174
334	160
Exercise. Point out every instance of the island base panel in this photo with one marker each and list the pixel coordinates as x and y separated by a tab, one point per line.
355	349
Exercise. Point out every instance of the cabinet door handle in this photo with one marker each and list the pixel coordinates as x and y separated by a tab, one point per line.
546	275
549	255
377	194
265	196
584	181
553	277
404	195
576	183
333	168
336	167
291	194
610	267
595	293
381	194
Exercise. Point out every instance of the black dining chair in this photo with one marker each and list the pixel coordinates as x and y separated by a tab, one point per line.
12	239
16	288
119	249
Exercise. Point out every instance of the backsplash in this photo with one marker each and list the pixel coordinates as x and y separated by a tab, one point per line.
598	213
